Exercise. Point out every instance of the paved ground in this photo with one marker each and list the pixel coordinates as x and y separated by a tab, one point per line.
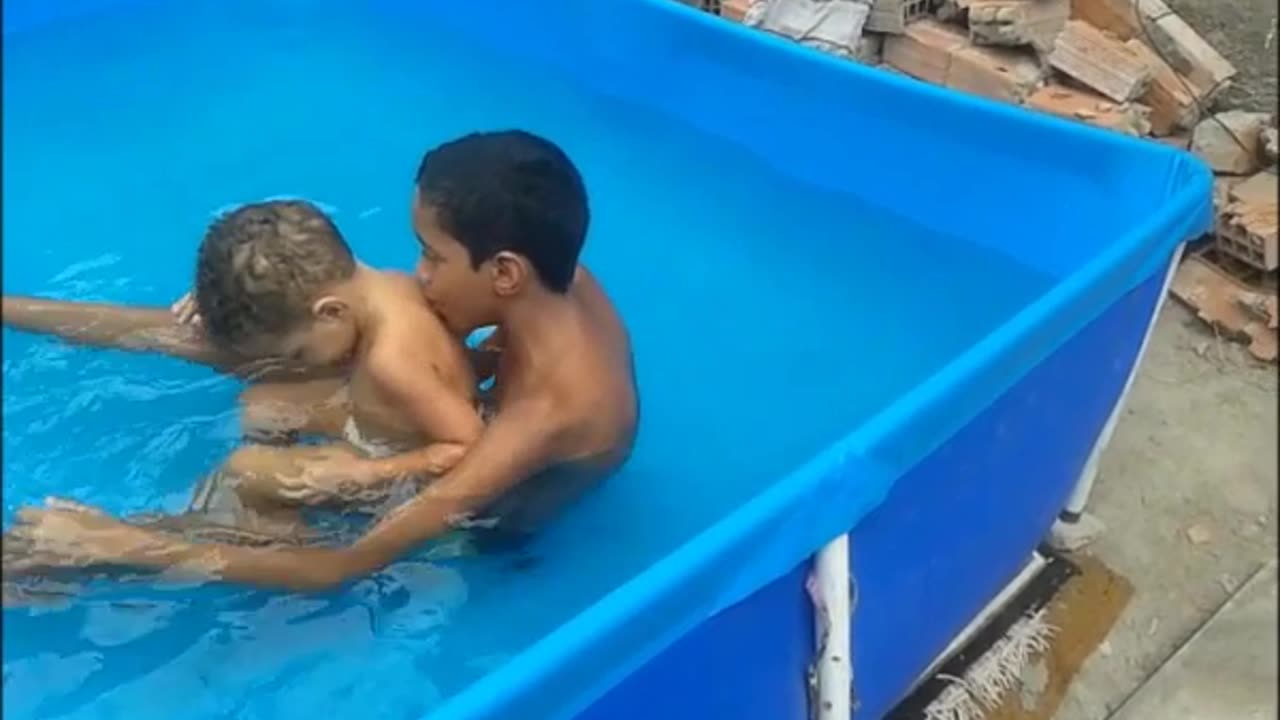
1188	491
1227	670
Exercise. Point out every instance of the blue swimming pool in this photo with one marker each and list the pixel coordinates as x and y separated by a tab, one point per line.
821	293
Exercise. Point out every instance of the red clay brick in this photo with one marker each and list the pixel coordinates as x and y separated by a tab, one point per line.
924	50
1090	107
998	73
1235	310
1100	62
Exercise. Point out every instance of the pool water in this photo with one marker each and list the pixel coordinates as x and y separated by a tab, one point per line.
125	133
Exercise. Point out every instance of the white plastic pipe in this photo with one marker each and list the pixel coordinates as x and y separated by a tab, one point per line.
832	619
1084	485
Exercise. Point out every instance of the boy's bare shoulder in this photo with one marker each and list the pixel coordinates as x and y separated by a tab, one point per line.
597	392
611	336
401	285
410	335
402	309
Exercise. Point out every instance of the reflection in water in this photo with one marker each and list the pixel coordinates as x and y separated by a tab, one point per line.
166	648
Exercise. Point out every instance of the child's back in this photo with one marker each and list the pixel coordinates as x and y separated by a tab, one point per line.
404	332
276	281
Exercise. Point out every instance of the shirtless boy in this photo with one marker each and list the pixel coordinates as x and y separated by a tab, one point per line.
501	219
275	281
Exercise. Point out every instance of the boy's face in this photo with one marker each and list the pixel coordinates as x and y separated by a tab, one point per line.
327	339
462	295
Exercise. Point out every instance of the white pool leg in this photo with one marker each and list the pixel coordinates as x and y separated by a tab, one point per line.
1074	512
832	619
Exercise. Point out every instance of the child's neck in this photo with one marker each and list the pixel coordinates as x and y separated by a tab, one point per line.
361	298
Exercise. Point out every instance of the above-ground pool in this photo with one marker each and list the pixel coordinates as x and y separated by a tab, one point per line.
857	304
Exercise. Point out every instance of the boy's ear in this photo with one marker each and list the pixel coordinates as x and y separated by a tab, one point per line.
330	307
510	272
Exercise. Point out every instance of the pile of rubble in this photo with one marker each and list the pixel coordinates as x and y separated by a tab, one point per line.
1131	66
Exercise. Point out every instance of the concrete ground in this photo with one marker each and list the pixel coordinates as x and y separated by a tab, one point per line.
1227	670
1188	487
1188	492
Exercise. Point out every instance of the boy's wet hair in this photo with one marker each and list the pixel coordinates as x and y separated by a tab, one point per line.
261	267
509	191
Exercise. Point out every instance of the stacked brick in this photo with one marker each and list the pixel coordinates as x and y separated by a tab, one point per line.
1128	66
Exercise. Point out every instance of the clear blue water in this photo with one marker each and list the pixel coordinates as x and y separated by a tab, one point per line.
769	318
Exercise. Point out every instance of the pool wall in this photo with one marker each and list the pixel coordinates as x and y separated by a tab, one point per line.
948	492
952	532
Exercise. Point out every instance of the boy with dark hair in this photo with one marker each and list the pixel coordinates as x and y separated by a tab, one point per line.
501	219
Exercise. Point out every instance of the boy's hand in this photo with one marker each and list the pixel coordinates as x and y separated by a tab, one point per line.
185	310
65	534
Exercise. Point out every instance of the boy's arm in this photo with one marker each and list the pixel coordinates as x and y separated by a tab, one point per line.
137	329
328	475
511	450
112	326
518	444
441	413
